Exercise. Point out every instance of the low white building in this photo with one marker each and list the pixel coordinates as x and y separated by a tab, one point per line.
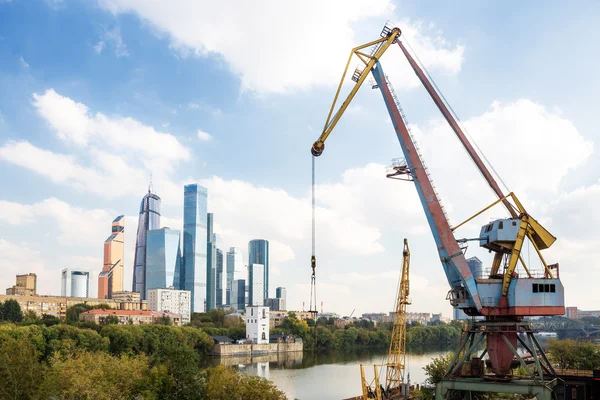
257	324
172	301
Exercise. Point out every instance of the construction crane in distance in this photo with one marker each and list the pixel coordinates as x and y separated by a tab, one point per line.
503	298
395	387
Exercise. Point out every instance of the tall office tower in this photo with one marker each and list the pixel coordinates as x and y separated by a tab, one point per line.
111	278
257	287
75	282
238	294
211	264
258	253
163	259
280	294
149	219
194	245
235	270
221	279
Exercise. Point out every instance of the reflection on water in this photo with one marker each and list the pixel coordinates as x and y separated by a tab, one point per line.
325	375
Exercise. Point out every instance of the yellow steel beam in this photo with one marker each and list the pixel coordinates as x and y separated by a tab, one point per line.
525	266
482	211
331	122
514	256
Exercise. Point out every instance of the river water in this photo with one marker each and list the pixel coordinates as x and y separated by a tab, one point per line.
331	375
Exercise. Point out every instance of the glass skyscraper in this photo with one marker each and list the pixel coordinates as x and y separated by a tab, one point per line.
194	276
258	253
163	259
235	270
211	265
238	294
221	279
149	219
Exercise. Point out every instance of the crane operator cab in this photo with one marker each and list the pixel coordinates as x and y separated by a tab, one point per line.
505	291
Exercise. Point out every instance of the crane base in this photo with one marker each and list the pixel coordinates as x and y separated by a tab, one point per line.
546	390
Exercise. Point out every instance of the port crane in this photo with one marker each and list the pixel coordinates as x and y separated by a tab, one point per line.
503	298
395	387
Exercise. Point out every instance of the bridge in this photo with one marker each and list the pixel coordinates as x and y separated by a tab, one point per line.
565	328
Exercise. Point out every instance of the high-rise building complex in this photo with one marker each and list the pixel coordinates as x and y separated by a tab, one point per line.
26	285
235	270
75	282
110	279
170	301
258	253
149	219
238	294
257	287
280	294
194	276
163	259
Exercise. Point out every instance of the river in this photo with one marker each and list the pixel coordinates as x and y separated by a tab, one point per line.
331	375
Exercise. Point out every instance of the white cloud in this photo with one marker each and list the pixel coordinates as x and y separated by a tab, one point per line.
287	37
113	38
427	45
14	258
14	213
73	123
109	175
71	225
516	137
100	46
214	111
23	63
203	135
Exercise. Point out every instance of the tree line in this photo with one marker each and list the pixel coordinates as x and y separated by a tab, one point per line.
46	358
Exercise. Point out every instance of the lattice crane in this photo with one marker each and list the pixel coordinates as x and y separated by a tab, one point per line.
503	298
395	386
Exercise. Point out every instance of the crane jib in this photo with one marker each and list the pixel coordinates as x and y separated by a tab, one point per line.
457	271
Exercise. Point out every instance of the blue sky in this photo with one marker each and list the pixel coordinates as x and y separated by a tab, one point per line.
95	96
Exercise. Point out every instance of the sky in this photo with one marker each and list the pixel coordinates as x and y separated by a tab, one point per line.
96	97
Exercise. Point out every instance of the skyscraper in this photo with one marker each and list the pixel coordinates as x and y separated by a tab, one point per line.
194	277
149	219
258	253
211	264
238	294
257	287
75	282
163	259
280	294
111	278
235	270
221	279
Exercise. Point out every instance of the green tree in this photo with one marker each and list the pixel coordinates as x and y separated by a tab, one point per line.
49	320
11	311
110	320
437	368
100	376
20	369
225	384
